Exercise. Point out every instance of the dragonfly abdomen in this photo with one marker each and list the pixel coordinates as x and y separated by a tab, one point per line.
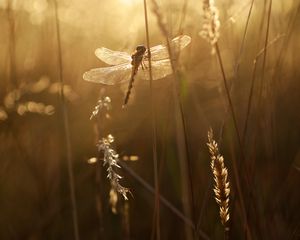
137	59
130	86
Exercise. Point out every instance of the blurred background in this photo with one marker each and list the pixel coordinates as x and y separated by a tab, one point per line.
34	182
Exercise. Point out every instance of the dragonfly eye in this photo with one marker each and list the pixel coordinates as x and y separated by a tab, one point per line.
141	49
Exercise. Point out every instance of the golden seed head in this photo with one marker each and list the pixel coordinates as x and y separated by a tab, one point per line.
221	187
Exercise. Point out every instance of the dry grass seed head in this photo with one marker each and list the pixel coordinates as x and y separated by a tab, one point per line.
211	23
111	159
220	173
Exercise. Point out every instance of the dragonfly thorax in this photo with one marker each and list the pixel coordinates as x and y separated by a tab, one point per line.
141	49
138	55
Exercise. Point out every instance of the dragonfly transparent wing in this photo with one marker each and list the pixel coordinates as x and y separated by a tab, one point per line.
160	52
112	57
109	75
160	69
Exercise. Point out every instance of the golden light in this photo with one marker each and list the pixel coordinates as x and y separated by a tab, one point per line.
130	158
21	109
11	98
92	160
40	85
128	2
3	115
49	110
40	5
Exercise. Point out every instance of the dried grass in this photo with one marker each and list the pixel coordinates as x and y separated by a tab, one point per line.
220	173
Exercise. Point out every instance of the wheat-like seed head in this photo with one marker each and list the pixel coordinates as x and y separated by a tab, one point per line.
221	188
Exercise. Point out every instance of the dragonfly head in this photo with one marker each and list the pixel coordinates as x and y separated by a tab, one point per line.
141	49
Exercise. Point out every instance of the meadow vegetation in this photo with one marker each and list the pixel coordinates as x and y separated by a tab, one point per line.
212	151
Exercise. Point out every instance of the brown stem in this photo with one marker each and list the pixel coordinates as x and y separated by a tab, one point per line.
234	163
154	131
183	148
13	83
188	222
66	127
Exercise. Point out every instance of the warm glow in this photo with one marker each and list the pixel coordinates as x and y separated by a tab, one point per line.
128	2
92	160
76	164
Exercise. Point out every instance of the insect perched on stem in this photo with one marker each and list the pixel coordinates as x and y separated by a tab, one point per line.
125	67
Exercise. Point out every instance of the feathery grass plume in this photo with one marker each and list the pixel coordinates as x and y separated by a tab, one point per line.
220	173
111	159
211	23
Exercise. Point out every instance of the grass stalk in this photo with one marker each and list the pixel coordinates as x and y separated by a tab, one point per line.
154	130
279	63
261	104
66	127
249	101
99	173
241	50
182	17
234	163
186	220
126	220
211	33
183	149
265	55
13	82
244	39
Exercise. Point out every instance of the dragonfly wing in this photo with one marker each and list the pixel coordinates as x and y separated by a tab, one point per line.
109	75
161	51
160	69
112	57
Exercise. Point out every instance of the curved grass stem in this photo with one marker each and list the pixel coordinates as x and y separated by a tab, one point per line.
234	163
181	132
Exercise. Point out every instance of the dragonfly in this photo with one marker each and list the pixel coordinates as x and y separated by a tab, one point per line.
125	67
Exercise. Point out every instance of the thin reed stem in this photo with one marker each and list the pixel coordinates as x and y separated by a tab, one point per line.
227	91
183	16
234	163
154	130
243	39
261	114
13	82
238	61
249	102
126	221
184	156
99	173
279	63
186	220
265	55
237	65
66	127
